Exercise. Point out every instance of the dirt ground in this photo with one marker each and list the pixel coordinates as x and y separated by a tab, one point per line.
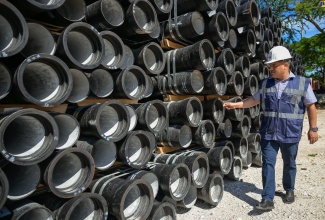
240	197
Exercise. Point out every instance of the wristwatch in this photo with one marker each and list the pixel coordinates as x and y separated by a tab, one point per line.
315	129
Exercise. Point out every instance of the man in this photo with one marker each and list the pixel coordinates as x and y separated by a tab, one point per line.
284	97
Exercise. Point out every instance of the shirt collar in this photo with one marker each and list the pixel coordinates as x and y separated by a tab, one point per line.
291	75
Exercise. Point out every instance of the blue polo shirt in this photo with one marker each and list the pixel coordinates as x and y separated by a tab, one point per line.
310	97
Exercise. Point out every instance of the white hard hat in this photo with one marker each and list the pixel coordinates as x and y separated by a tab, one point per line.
278	53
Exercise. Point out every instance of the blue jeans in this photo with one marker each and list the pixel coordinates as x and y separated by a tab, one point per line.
269	153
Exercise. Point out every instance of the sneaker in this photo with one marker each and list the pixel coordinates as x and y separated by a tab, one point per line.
265	205
289	197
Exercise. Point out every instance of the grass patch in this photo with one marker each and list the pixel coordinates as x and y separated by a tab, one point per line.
312	155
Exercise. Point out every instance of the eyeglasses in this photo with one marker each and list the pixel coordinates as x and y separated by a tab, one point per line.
276	64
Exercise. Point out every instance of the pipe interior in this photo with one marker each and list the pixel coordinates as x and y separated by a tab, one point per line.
221	79
70	172
253	84
5	79
190	198
197	81
23	180
73	10
229	59
246	66
30	140
227	128
40	40
243	148
104	154
113	51
154	59
200	171
239	83
137	150
134	83
156	114
231	13
144	16
185	136
80	86
251	41
69	130
226	159
113	12
101	83
218	111
37	213
48	2
194	112
110	121
135	203
208	133
87	209
197	22
164	5
245	126
216	190
255	13
232	38
207	55
133	117
178	181
223	27
42	81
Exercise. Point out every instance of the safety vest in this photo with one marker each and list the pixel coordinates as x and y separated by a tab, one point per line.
283	118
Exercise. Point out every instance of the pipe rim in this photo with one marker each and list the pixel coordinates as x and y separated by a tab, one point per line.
86	174
231	12
20	28
49	5
164	6
142	81
80	88
199	169
64	84
4	188
39	155
255	13
83	31
229	60
5	81
162	211
161	122
207	55
251	41
101	83
216	189
194	111
183	186
218	110
238	81
157	65
223	27
116	5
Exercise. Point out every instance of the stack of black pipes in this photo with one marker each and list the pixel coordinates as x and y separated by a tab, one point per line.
100	160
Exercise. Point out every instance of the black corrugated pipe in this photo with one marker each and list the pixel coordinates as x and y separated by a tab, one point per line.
140	39
184	6
248	14
196	161
237	113
236	169
150	57
129	58
188	111
174	179
227	143
188	26
150	177
116	53
32	7
133	117
41	79
213	109
279	24
27	209
90	55
233	39
250	112
80	86
226	60
241	146
205	134
220	159
40	40
4	188
23	180
103	152
5	80
162	210
257	159
215	81
162	7
247	162
69	130
130	83
140	18
152	116
83	206
126	199
68	172
266	71
136	149
262	50
190	198
212	192
224	129
268	36
218	29
256	111
14	31
242	64
175	136
246	42
101	83
235	85
266	12
199	55
266	22
105	14
229	8
241	128
69	12
259	32
36	136
109	120
254	140
251	85
257	69
256	123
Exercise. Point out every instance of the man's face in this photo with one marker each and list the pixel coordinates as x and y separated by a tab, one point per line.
278	69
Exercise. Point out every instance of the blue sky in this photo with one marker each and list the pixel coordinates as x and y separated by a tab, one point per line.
309	29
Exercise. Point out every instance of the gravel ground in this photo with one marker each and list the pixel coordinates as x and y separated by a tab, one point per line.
240	197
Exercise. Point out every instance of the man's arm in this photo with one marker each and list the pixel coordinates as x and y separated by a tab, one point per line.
243	104
312	118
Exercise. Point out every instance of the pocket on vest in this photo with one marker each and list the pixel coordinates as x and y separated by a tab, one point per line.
293	128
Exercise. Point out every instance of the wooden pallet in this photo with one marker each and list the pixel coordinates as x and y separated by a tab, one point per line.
89	101
200	97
